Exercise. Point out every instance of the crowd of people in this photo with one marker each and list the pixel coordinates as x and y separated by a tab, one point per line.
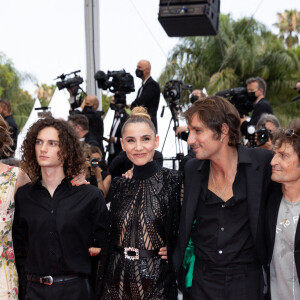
225	226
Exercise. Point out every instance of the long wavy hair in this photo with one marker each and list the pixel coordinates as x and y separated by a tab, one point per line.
70	149
5	140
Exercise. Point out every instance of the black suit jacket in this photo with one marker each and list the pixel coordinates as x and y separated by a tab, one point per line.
261	107
271	221
258	173
95	124
90	139
149	98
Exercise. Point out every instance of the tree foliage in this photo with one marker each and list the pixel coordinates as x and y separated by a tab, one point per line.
289	26
44	93
10	89
242	49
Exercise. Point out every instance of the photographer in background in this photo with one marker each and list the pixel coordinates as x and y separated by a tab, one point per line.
182	131
75	99
95	175
149	93
256	88
270	123
80	124
89	108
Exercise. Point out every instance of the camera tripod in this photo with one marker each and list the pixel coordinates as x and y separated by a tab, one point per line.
120	116
178	142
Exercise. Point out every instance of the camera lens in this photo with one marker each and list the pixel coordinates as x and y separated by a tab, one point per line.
94	162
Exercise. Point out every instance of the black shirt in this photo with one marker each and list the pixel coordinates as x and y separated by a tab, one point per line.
56	232
148	97
222	234
261	107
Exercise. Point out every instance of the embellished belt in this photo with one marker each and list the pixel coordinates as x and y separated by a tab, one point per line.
132	253
49	280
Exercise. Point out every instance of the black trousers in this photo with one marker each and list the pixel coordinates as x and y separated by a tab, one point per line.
241	282
76	289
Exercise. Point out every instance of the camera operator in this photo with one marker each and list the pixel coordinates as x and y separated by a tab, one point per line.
89	108
149	93
75	99
120	117
270	123
256	88
182	131
80	124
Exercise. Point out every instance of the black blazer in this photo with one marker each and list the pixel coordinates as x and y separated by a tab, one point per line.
149	98
258	173
271	221
90	139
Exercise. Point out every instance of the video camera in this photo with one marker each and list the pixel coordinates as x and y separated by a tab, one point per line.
118	82
172	91
70	82
257	137
239	98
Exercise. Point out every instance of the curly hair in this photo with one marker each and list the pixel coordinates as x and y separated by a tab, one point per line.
70	148
291	136
214	111
5	139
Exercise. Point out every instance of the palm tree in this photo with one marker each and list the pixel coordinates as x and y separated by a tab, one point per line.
289	26
242	49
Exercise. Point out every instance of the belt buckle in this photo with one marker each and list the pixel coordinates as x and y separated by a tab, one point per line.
128	255
48	280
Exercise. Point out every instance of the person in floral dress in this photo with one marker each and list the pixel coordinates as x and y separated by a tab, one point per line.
10	179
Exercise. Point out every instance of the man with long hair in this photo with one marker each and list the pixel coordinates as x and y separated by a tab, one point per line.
56	223
225	190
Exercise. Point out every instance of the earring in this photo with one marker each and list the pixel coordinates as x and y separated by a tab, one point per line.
222	140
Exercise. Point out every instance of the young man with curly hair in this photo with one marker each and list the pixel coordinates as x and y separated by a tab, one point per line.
56	223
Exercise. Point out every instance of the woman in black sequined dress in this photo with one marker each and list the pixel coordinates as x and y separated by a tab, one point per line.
144	218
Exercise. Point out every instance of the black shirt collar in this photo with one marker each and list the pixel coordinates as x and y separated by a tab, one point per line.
66	181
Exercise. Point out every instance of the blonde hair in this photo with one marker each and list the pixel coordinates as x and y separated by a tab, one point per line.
139	115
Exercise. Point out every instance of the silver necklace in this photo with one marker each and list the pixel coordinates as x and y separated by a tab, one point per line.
220	194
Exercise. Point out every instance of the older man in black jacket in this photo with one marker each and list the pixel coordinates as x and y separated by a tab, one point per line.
283	210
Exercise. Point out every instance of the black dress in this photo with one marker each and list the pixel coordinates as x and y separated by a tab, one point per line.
144	215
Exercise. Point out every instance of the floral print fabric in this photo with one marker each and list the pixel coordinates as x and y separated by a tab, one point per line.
8	272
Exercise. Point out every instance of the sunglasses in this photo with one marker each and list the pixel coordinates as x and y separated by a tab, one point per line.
290	133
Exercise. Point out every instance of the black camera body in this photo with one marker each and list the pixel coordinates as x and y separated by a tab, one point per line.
172	91
257	137
118	82
239	98
70	82
94	162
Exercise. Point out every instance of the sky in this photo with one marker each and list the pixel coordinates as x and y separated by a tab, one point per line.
46	38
